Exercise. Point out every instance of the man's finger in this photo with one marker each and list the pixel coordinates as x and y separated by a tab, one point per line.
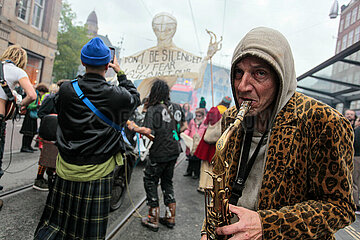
229	229
235	209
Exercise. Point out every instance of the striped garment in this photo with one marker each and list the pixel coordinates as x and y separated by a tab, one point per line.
76	210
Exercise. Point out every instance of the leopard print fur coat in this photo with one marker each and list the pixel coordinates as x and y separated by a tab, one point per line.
306	187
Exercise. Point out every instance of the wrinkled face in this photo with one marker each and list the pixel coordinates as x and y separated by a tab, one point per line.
255	80
350	115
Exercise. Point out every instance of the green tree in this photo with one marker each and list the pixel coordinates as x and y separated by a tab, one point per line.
70	40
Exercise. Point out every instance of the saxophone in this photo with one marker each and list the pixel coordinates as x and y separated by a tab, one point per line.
217	197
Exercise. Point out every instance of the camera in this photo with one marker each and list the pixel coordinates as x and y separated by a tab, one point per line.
112	50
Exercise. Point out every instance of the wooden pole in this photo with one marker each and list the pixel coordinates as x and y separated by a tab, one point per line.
212	84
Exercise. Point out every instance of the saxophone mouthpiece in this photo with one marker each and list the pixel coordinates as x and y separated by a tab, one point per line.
246	104
244	109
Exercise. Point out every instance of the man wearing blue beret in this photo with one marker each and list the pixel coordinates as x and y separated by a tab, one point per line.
89	148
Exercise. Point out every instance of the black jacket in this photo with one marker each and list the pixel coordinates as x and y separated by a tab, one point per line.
163	121
82	137
357	141
47	106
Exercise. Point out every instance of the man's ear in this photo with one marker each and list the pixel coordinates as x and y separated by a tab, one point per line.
106	67
83	63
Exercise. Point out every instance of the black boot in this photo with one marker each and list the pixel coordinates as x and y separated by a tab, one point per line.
188	172
27	150
26	142
196	167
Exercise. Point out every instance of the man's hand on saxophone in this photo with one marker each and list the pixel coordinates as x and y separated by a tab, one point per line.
248	226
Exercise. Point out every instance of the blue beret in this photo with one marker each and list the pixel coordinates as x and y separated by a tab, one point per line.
95	53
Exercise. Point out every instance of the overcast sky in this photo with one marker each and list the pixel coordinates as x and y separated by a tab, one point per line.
305	23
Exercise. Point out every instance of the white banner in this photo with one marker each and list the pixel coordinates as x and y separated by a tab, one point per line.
155	62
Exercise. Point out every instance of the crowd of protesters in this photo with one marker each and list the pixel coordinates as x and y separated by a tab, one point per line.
89	145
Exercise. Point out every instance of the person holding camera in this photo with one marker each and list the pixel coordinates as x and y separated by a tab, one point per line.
89	148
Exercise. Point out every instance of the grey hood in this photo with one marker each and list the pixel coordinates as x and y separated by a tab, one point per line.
271	46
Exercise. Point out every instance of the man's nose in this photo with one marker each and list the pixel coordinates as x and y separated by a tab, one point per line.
245	83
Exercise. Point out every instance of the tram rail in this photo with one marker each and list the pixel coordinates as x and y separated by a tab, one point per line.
117	224
113	233
16	191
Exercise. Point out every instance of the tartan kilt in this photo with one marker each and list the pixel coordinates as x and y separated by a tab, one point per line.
76	210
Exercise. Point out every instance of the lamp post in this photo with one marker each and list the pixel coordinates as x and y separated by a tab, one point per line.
334	11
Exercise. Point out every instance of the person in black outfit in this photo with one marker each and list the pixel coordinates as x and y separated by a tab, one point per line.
89	149
166	120
356	171
29	127
48	150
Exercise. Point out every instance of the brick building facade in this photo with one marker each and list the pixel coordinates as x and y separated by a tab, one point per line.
348	34
32	24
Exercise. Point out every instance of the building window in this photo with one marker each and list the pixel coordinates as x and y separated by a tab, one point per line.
1	6
336	68
34	68
353	15
357	104
350	38
23	8
357	77
341	25
338	46
38	13
357	34
347	20
352	105
343	44
341	66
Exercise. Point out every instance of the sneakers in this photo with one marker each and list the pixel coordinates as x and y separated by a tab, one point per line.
200	190
41	185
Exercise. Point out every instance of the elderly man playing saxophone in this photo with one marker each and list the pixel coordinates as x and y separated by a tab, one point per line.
287	167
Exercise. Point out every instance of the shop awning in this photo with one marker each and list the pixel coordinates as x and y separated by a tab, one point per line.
336	80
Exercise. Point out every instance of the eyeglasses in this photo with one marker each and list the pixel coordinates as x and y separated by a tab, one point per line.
198	115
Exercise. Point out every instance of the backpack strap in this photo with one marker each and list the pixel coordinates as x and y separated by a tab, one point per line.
4	84
89	104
